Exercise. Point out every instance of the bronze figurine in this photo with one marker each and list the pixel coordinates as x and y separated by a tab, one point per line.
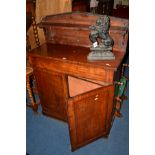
102	42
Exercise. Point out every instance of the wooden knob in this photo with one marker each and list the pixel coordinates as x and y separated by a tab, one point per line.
118	83
125	65
117	98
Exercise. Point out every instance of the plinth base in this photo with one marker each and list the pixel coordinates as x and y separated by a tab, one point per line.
100	55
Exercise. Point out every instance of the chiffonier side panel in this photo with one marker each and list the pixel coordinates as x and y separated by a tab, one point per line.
52	92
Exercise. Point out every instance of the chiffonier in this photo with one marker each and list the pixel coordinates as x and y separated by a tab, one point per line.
71	88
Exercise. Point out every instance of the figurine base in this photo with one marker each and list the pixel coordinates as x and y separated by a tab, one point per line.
100	55
101	48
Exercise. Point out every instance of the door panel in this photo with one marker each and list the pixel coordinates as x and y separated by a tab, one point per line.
52	88
89	115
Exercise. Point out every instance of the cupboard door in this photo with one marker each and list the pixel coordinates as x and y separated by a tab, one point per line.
90	115
52	88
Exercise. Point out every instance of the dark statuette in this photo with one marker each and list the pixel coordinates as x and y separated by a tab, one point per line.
102	42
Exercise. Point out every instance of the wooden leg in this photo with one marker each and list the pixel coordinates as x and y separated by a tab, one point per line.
117	110
118	107
123	97
33	104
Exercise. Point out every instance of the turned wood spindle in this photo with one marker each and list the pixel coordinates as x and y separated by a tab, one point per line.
123	68
118	83
29	72
35	31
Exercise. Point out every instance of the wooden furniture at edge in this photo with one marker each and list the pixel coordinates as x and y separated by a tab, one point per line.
121	11
32	104
71	88
81	5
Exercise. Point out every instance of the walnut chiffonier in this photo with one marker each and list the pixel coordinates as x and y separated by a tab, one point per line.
70	87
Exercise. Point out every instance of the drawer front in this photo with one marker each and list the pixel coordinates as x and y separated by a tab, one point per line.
79	70
90	115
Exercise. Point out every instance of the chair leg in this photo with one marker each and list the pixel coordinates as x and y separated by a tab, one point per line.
33	104
117	110
118	104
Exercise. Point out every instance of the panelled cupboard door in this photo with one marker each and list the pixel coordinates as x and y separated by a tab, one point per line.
90	115
52	88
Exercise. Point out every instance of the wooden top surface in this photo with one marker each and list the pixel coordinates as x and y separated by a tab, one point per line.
74	54
81	19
